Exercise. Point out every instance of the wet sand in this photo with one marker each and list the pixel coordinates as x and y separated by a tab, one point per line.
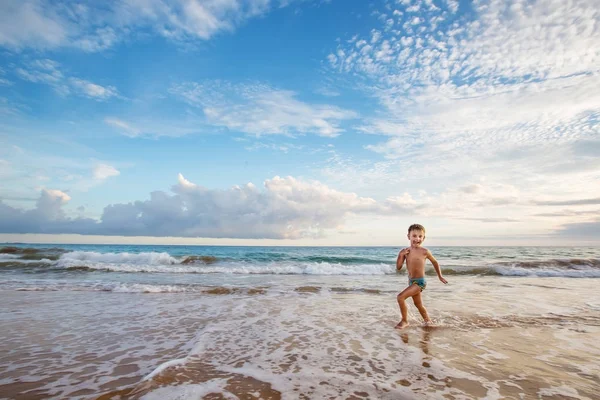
495	338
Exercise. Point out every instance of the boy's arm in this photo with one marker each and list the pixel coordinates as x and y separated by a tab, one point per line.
400	259
436	265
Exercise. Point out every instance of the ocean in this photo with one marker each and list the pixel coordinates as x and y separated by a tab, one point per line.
219	322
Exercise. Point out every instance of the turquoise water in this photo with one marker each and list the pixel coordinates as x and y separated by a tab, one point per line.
189	268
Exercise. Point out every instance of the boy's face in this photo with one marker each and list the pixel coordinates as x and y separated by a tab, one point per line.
416	237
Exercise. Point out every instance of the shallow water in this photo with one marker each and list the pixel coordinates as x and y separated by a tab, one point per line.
306	337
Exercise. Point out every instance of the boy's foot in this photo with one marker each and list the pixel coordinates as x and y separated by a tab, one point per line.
429	324
402	325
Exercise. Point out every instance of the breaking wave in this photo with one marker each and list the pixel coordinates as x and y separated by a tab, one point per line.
271	263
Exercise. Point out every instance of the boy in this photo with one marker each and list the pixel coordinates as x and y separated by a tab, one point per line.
415	257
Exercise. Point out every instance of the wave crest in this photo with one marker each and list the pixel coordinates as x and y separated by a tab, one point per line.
90	258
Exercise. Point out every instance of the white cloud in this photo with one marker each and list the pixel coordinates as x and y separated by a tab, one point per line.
456	186
48	72
284	208
54	196
42	71
104	171
9	107
185	183
261	110
327	91
145	127
26	170
487	64
3	81
496	77
125	127
93	90
98	40
280	147
43	24
508	93
31	23
47	216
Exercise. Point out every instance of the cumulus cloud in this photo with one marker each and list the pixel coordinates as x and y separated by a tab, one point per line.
96	26
47	217
284	208
259	109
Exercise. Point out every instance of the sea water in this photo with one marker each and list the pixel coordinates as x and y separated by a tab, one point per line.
178	322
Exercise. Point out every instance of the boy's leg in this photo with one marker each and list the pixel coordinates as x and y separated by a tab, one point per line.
419	304
406	293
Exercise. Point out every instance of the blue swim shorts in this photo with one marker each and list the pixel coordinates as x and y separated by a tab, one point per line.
418	281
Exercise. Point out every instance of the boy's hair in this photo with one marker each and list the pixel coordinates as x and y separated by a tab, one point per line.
416	227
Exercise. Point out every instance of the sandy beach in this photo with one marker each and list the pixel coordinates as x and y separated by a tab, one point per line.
495	338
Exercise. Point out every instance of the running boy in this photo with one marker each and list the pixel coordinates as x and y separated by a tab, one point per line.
415	257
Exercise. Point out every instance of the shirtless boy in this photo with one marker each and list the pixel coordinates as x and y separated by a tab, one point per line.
415	257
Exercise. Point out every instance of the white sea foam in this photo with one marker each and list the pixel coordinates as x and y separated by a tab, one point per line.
116	287
4	257
155	262
582	272
559	391
301	268
77	258
191	391
164	263
164	366
594	306
285	342
145	288
21	261
294	341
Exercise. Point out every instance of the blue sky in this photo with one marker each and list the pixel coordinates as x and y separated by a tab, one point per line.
300	122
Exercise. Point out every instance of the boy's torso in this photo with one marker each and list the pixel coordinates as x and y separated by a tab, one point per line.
415	262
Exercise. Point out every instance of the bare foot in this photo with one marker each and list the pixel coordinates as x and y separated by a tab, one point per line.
402	325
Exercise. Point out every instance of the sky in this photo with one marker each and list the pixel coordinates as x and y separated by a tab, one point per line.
300	122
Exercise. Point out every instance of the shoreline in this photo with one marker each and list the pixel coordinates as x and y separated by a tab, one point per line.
290	342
